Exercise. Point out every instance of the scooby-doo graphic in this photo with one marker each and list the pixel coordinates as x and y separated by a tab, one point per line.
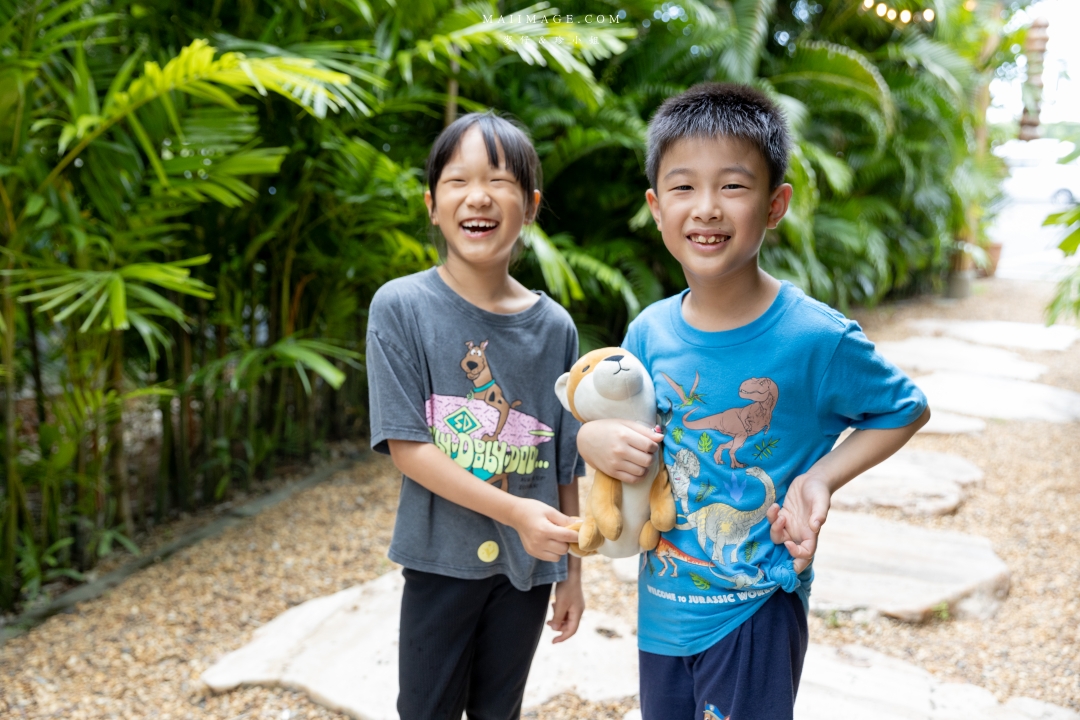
476	367
739	423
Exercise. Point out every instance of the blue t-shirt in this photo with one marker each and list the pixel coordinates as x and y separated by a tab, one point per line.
746	411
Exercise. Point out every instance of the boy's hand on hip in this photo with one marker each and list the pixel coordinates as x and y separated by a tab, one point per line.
542	529
568	608
623	449
799	521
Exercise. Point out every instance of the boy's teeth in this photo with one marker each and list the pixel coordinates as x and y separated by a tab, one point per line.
708	239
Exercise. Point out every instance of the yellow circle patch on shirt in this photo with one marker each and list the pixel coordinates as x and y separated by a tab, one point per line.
488	551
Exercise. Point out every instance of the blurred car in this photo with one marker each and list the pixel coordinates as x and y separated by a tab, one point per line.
1035	175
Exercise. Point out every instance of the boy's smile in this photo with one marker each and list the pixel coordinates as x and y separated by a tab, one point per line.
712	205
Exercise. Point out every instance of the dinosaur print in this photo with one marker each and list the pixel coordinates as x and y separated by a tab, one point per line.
688	399
666	553
686	468
739	423
726	526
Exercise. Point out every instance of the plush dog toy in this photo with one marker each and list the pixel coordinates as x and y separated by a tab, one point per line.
620	519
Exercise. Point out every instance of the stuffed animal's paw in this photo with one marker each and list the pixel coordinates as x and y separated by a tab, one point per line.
649	537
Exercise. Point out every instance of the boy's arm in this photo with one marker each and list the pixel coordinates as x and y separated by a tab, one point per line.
540	526
809	496
569	599
622	449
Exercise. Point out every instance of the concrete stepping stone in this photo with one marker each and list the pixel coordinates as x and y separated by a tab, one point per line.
1025	336
342	651
946	423
856	683
1000	398
914	481
866	563
927	354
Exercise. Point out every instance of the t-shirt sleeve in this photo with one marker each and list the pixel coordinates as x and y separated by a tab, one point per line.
571	465
396	390
861	389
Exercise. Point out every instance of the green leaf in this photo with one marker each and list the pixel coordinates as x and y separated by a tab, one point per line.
699	582
118	303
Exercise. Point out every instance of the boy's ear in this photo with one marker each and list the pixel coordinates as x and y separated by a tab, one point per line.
560	390
654	206
778	205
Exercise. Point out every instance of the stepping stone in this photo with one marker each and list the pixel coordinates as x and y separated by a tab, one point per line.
914	481
946	423
856	683
1000	398
626	569
905	572
1026	336
927	354
342	650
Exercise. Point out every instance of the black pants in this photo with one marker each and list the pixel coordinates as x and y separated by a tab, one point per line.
466	646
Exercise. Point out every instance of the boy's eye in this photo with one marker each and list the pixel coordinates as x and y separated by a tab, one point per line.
683	187
733	186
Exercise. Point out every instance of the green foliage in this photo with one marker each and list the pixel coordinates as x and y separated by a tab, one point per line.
699	582
763	450
1066	300
749	549
677	435
705	443
703	491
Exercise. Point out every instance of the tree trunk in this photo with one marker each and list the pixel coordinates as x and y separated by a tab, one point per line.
13	490
184	425
118	463
161	483
35	368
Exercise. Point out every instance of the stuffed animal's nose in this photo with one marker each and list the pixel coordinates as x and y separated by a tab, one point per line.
614	358
471	365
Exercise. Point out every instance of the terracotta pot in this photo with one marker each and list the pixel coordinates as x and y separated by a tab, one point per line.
993	252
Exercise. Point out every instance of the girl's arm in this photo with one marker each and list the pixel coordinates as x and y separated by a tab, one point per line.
540	526
569	599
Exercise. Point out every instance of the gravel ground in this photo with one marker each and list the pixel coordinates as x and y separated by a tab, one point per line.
138	651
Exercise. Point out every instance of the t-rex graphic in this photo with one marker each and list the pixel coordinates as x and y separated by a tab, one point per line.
686	467
726	526
739	423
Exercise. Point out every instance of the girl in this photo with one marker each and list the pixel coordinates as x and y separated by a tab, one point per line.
462	361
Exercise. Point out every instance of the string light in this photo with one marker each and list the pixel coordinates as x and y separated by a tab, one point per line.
882	10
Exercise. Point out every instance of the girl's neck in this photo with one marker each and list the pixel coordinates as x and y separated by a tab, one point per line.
731	302
488	288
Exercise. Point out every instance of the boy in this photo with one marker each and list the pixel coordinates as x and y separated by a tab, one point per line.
759	381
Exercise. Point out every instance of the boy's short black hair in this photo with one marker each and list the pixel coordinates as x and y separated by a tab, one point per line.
521	158
721	110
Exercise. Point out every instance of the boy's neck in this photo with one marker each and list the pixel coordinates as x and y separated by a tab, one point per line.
488	288
737	299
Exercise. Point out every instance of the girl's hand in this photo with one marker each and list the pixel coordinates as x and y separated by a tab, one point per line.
568	607
542	529
799	521
623	449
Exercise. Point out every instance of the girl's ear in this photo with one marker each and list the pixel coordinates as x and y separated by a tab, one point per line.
535	208
430	202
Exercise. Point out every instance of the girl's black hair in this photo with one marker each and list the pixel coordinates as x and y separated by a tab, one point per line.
521	158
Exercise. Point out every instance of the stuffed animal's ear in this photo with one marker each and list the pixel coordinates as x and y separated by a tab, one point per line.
560	389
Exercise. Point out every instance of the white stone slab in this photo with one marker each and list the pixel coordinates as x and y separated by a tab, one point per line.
1025	336
342	651
1000	398
627	569
866	563
946	423
914	481
927	354
856	683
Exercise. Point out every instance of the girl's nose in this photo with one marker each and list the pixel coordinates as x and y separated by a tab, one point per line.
478	198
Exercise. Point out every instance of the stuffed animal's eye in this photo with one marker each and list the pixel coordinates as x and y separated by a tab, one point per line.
586	368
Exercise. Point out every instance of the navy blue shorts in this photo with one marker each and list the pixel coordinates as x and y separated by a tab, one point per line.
750	674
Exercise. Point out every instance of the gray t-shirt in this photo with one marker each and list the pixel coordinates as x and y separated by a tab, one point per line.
479	385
